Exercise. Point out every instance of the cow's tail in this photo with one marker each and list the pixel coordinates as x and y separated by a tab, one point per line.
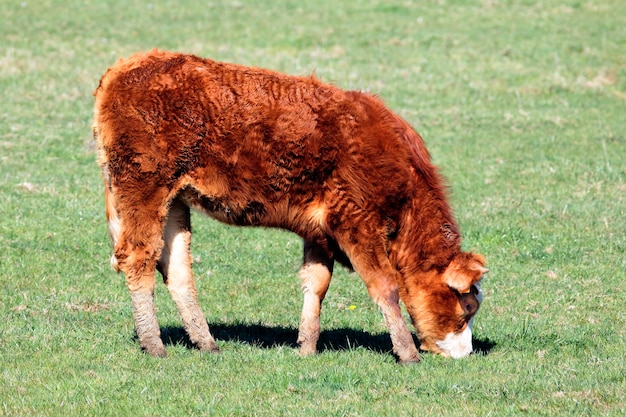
110	202
113	219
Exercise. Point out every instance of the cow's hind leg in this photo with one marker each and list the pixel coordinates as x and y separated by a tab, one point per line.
138	242
315	275
175	266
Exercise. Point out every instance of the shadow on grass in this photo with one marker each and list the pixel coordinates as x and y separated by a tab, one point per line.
269	337
483	346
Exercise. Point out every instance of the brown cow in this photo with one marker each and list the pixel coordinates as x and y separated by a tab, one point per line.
249	146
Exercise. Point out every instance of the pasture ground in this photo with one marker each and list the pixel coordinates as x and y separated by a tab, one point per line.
522	105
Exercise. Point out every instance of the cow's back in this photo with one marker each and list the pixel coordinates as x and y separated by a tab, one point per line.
248	145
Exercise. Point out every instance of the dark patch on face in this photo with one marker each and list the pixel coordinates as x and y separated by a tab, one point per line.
469	303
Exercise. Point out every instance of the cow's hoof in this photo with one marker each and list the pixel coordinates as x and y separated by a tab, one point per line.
156	351
409	361
210	348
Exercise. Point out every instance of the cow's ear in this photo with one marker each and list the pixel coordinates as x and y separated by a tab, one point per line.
465	270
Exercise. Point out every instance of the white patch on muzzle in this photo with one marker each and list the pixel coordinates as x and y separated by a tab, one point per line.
457	345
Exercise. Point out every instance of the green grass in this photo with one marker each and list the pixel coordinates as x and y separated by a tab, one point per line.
522	105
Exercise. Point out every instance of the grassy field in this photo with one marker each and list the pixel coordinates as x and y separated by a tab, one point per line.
523	106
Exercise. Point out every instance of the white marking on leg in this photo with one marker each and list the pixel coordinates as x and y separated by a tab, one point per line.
178	263
457	345
308	333
175	264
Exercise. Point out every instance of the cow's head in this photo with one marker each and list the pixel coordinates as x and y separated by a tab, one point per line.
442	308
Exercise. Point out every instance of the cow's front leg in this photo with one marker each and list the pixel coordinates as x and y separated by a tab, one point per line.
401	339
315	274
380	279
384	291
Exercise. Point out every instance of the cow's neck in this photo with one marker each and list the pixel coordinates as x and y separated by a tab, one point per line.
428	237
